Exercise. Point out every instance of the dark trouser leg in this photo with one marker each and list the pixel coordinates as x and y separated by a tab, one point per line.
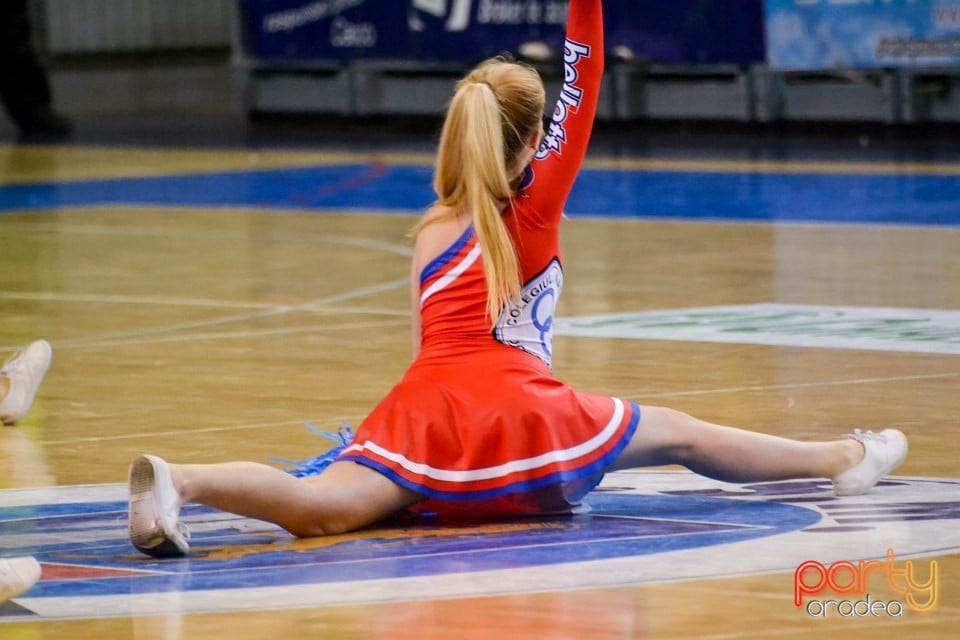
24	88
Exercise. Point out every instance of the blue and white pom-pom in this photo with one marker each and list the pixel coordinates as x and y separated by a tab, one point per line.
313	466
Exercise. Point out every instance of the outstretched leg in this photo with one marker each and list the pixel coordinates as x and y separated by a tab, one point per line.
666	436
344	497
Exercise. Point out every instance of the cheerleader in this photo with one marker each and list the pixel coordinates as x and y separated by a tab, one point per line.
478	423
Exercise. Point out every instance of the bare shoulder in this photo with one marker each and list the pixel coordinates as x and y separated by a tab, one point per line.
444	226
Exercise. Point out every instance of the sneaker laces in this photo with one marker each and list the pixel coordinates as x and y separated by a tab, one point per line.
313	466
862	436
6	368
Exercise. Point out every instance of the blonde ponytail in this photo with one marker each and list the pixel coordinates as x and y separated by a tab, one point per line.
487	190
493	114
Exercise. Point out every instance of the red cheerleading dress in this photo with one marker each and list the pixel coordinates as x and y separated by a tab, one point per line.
478	424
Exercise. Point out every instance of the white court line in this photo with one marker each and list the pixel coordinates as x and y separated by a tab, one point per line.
164	301
228	335
219	235
795	385
104	298
156	434
234	427
199	324
261	309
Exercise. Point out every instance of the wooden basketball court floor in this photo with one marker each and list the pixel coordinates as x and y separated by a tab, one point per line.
204	304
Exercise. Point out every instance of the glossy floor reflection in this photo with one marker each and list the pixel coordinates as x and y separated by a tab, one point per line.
204	304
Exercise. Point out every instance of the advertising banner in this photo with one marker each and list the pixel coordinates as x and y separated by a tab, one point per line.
851	34
472	30
467	31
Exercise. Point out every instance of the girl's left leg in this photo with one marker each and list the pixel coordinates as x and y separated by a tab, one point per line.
665	436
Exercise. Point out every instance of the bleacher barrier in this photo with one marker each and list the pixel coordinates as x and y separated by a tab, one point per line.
76	27
887	61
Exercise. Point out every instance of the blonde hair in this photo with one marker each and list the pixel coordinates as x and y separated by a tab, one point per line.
494	112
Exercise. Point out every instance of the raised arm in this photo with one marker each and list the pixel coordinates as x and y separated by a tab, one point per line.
566	138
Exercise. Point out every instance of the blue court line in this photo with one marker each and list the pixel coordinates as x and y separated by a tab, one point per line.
767	197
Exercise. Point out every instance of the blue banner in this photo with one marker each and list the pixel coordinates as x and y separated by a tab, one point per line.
472	30
467	31
844	34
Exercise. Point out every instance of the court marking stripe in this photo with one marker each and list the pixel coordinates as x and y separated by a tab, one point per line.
276	209
672	165
99	298
104	298
275	311
484	590
665	164
221	429
795	385
368	211
241	427
231	335
362	242
485	579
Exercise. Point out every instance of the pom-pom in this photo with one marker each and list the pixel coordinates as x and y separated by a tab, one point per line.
313	466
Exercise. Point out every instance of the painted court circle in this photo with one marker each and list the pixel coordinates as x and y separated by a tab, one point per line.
642	527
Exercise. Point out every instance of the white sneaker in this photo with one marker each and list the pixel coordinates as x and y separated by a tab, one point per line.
154	510
17	575
25	370
882	453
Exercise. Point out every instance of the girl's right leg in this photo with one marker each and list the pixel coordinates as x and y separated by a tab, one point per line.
345	497
665	436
